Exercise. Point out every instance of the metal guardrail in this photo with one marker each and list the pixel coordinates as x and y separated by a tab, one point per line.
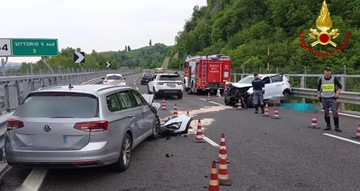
23	85
345	97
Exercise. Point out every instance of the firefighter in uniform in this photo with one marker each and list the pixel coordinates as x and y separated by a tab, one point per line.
327	95
258	87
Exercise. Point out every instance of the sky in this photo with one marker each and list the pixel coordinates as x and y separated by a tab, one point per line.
102	25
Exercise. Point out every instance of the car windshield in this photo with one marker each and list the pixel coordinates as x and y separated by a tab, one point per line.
59	105
147	75
170	77
246	80
114	77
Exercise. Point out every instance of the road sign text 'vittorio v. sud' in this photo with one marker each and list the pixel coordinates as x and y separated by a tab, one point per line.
34	47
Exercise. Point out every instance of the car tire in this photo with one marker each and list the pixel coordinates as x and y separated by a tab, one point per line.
156	128
286	94
250	101
226	100
180	96
123	163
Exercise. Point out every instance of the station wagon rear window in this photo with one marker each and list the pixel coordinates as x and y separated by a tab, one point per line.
114	77
59	105
170	77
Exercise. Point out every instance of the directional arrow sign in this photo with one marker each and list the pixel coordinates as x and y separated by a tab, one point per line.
79	57
108	64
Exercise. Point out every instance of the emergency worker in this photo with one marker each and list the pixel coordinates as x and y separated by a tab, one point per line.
258	85
327	95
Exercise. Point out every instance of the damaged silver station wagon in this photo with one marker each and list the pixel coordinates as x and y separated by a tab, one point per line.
84	126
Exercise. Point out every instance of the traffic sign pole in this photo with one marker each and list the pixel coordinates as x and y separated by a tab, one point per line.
3	62
44	60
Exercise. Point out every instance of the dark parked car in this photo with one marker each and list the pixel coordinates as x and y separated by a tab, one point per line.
146	78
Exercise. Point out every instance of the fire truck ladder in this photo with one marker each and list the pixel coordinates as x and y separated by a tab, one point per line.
203	81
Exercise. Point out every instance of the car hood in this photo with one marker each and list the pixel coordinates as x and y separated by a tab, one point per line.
238	85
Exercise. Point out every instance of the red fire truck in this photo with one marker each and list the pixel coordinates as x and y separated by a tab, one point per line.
206	73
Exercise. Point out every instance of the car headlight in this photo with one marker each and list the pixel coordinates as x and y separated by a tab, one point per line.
174	125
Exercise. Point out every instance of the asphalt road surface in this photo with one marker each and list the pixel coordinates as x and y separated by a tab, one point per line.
265	154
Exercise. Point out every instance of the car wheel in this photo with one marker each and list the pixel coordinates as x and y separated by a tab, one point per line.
286	94
156	128
122	164
180	96
226	100
251	101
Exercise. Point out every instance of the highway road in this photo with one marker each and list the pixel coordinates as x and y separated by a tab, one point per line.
265	154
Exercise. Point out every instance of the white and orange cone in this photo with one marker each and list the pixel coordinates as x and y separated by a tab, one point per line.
187	113
214	181
314	122
223	173
199	135
239	107
208	97
357	136
222	149
163	106
266	110
276	113
175	111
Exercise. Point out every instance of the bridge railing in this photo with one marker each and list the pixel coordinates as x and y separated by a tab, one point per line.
13	89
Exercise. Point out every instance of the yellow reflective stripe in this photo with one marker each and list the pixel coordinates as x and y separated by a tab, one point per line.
214	182
328	87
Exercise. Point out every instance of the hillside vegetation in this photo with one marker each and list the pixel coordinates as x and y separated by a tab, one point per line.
247	29
146	57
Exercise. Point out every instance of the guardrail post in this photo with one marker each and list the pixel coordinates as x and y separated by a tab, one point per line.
343	83
302	85
7	96
18	92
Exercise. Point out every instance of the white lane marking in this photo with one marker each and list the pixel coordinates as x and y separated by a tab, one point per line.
137	88
341	138
215	103
345	114
211	142
211	102
33	181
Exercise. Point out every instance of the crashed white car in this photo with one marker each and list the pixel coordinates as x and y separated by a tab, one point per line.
166	84
276	86
114	79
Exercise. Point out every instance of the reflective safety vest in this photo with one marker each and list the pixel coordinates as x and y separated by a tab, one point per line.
327	87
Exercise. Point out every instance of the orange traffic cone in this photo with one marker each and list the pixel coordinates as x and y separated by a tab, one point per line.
199	135
276	113
266	110
188	114
239	105
163	106
208	98
357	136
222	149
214	181
223	173
175	111
314	123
